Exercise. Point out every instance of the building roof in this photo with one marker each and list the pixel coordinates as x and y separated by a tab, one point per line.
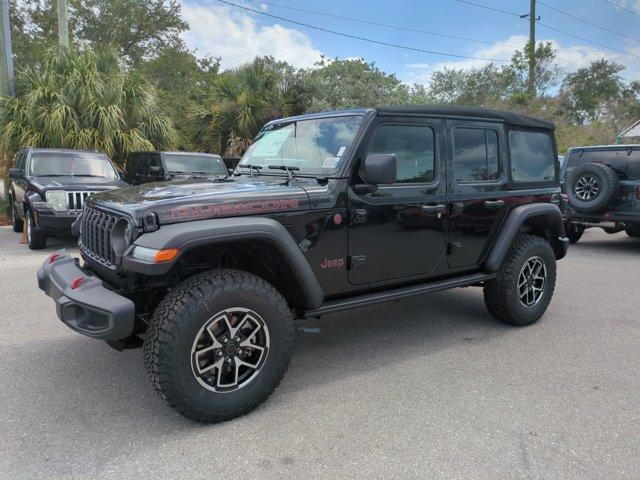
511	118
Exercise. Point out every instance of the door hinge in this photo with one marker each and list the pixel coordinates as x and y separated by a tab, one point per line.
453	246
357	261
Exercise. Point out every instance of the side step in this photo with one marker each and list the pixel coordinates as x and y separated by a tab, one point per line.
397	293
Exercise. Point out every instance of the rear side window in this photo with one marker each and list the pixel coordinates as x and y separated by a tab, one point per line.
475	155
414	147
532	158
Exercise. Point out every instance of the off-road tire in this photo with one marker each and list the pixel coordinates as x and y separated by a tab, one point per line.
16	222
35	240
633	231
574	232
608	187
178	319
501	294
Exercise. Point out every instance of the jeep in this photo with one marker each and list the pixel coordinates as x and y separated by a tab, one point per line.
602	184
325	212
145	167
49	187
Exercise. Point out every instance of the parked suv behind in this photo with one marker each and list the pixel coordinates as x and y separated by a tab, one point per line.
144	167
603	187
326	212
50	186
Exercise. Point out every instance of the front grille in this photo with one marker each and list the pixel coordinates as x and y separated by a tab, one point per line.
95	235
76	200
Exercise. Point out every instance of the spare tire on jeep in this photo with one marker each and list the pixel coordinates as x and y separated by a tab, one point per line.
592	187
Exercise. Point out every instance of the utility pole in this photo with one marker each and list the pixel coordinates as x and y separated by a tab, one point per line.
6	56
532	48
63	23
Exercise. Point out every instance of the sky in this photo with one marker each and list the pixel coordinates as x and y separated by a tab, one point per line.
237	36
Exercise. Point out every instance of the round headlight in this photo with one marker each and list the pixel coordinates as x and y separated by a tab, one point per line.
121	234
57	200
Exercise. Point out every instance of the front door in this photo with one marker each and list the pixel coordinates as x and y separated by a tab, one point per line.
478	183
399	231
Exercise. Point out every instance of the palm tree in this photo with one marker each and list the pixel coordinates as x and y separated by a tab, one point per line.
239	103
86	101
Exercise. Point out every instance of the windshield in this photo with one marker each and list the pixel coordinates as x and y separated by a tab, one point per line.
63	164
210	164
316	144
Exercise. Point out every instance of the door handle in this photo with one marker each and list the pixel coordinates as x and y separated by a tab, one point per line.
433	209
494	204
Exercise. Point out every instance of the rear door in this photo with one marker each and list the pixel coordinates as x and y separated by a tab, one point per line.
477	186
398	231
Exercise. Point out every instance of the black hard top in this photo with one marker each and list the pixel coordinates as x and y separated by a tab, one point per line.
511	118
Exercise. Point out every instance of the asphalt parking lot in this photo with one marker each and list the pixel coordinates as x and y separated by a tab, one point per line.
431	387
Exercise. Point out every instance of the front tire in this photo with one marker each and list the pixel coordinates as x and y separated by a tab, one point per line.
16	222
574	232
35	240
633	231
219	344
523	289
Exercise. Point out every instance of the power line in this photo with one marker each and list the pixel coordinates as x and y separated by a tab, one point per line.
554	29
622	8
562	12
386	25
588	41
486	7
363	39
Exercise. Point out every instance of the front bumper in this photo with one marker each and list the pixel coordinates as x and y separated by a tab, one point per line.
85	306
53	223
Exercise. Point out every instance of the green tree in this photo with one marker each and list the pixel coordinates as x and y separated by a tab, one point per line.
590	93
83	100
337	84
138	30
240	102
182	81
476	87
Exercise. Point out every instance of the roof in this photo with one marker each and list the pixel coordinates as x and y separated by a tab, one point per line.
61	150
617	146
511	118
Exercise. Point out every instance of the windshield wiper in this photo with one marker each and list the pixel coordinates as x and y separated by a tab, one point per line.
87	175
251	167
287	168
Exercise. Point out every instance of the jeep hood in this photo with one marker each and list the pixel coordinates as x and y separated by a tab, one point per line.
194	199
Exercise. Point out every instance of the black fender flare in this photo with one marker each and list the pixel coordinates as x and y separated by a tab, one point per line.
204	232
512	225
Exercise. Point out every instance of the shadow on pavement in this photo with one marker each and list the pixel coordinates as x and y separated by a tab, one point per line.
86	379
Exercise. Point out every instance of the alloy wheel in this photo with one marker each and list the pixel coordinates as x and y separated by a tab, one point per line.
230	350
531	281
587	187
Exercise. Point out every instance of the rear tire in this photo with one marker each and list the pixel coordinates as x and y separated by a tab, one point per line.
35	240
574	232
188	337
523	289
16	222
633	231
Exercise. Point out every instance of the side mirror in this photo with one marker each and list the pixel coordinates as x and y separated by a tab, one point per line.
16	173
380	168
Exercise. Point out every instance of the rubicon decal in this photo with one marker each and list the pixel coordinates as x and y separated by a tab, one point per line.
214	210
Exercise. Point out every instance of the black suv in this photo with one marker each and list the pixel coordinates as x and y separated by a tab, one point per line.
49	188
145	167
325	212
602	184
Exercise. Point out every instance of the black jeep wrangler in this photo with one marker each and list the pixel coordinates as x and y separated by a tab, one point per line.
602	184
49	187
325	212
145	167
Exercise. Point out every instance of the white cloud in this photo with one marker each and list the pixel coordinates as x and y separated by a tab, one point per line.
236	37
569	57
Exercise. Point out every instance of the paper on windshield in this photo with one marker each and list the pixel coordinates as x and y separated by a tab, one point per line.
271	143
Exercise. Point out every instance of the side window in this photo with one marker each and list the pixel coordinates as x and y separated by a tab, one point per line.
475	155
132	166
414	147
20	161
532	158
143	166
